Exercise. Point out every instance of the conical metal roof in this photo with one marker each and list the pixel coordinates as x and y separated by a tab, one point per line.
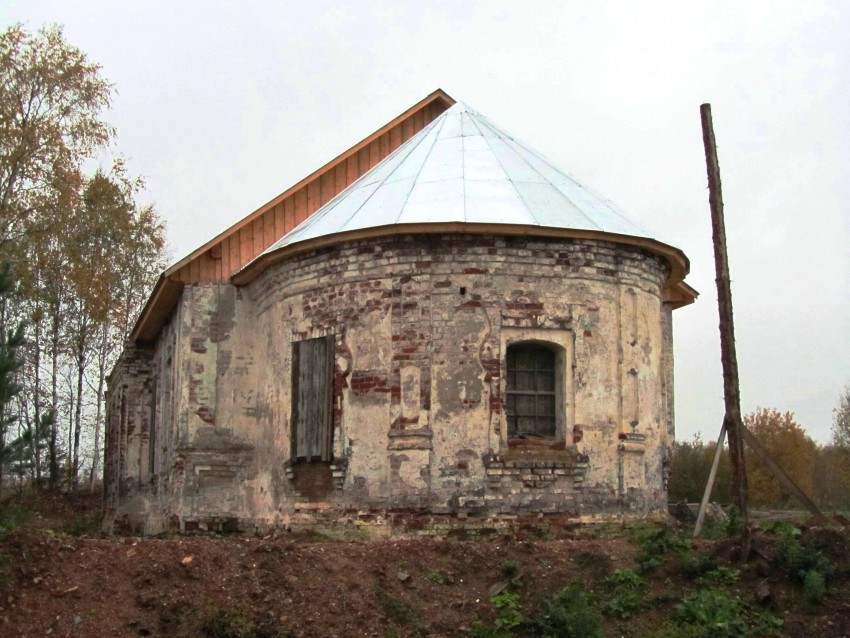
463	168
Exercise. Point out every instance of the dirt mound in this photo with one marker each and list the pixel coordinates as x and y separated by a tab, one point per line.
53	583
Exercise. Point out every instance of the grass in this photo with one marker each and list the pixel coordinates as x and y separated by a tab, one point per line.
11	518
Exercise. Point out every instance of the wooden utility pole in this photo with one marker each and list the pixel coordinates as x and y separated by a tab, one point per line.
732	422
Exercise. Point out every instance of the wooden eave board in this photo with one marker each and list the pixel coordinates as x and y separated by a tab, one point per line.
253	233
158	308
229	251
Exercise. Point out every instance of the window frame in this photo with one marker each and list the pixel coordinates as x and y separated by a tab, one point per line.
562	343
531	361
326	400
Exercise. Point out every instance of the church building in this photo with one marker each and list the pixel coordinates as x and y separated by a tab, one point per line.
436	329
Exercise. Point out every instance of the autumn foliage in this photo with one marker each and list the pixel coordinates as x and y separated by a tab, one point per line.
822	472
83	251
790	446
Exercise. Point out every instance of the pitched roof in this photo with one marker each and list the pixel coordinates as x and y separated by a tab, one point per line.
219	258
462	173
434	168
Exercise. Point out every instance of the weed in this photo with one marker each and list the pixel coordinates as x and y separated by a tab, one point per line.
814	587
571	613
735	523
693	566
510	569
436	577
509	605
720	576
626	594
598	564
800	558
85	523
542	533
12	518
585	559
712	613
228	624
656	544
171	618
510	610
781	528
715	528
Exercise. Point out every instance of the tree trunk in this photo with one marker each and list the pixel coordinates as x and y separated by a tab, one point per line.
101	381
78	413
71	411
3	333
36	456
53	452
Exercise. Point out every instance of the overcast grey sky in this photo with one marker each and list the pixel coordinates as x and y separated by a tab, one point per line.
223	105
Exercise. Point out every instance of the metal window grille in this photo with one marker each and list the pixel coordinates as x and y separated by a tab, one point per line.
530	391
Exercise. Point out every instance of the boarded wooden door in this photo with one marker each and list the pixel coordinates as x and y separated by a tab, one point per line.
312	383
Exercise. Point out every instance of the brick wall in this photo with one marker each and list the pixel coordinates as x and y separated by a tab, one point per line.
420	325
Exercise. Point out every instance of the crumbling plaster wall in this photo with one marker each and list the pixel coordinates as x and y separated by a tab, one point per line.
420	325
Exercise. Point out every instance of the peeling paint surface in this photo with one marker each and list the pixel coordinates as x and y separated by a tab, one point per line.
417	416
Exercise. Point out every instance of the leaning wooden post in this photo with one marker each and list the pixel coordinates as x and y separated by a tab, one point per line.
732	419
709	484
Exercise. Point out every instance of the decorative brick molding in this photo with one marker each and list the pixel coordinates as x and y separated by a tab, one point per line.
410	439
527	484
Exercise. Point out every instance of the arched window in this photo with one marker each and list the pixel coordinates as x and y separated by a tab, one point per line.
531	394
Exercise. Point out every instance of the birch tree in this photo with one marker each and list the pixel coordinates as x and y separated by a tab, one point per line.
51	104
115	253
841	420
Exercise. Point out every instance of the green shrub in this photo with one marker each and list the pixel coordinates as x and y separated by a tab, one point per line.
799	557
626	592
571	613
814	587
693	566
11	518
713	613
656	544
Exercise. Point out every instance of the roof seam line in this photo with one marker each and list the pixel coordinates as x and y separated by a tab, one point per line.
463	166
612	208
383	181
353	187
424	161
516	147
504	170
508	139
